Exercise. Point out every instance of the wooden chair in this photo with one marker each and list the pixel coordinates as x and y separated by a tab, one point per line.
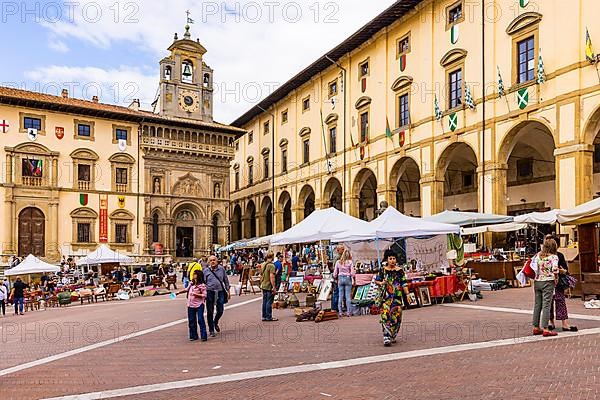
113	289
101	295
52	301
254	280
86	295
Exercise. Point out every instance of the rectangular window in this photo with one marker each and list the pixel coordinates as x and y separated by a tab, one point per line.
267	128
121	176
121	134
237	180
363	69
455	14
364	127
250	174
250	137
333	88
526	60
284	116
83	233
266	167
404	45
84	130
31	168
525	168
34	123
333	140
284	160
455	88
306	151
468	179
306	104
83	173
404	118
121	233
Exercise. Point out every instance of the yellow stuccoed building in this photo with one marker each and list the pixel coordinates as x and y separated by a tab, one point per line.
397	113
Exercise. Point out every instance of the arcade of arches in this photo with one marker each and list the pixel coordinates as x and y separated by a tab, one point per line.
527	172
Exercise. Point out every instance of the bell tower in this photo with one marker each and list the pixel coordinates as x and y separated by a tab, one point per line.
186	82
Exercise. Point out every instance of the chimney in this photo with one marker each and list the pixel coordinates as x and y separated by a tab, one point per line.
95	99
65	94
135	105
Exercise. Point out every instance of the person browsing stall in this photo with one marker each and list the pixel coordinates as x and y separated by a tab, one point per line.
268	287
344	273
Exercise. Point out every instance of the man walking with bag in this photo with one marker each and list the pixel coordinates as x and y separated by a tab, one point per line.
217	285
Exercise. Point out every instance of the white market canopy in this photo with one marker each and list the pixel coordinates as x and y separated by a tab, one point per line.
104	255
393	224
31	265
542	218
320	225
585	213
498	228
463	218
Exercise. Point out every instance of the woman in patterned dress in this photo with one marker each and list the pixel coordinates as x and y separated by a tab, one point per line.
393	282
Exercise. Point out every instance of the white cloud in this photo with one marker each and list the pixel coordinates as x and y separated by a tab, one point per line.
58	45
250	44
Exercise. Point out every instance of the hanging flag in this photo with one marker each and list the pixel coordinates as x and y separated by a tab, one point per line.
362	152
454	34
523	98
453	121
122	144
83	199
589	50
388	130
363	84
541	74
4	125
523	3
501	88
469	98
436	109
402	138
121	201
402	62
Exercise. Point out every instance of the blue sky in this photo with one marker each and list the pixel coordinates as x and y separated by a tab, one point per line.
112	48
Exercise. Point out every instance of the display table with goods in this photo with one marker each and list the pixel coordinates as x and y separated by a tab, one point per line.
493	270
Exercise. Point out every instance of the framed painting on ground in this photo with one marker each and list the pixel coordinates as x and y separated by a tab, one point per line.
424	296
326	287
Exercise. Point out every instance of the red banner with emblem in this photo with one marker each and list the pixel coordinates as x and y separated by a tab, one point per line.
103	237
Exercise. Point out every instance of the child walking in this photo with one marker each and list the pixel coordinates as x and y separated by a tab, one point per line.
196	296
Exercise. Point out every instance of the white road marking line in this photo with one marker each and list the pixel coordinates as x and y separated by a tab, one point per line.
518	311
98	345
159	387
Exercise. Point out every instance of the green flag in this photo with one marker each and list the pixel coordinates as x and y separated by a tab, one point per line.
453	121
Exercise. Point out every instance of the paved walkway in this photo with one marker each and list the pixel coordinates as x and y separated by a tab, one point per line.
139	350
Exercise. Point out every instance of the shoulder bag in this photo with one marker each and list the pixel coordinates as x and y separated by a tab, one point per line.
226	298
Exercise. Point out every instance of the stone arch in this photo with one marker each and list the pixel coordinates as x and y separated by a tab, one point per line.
516	132
457	169
405	179
333	194
306	202
250	220
591	168
364	195
84	154
266	217
236	223
284	216
84	212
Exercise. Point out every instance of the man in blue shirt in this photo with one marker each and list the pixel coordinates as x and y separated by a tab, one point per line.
295	262
278	270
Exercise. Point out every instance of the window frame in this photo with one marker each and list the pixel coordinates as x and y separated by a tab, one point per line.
284	160
266	127
519	37
124	128
284	117
250	137
366	62
306	151
83	215
118	235
330	85
79	233
266	168
92	126
451	70
41	117
400	52
332	139
449	8
364	136
305	102
399	119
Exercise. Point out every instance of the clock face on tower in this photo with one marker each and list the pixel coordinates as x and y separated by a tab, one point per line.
189	101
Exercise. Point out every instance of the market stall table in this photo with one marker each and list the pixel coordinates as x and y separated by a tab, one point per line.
494	270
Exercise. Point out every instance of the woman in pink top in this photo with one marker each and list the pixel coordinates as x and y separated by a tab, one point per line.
196	295
344	274
545	279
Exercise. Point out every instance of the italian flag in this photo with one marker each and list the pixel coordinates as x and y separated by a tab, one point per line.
402	62
83	199
388	131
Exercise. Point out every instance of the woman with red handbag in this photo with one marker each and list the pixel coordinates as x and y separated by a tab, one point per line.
546	262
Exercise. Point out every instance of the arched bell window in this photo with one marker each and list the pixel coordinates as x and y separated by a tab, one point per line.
168	73
187	71
155	228
206	80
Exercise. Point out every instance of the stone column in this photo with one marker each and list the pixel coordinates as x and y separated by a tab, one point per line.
54	178
9	217
278	219
574	175
495	184
353	206
9	168
53	252
432	195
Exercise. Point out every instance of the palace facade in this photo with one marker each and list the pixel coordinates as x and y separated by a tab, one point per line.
80	173
431	106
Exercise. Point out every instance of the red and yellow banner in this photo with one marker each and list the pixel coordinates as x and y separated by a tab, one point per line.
103	237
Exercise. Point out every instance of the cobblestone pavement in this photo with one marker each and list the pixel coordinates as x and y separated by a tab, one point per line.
566	367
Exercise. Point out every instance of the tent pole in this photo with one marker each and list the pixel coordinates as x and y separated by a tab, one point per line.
378	253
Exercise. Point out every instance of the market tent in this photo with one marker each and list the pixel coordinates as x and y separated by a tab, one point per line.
320	225
542	218
498	228
393	224
259	242
31	265
585	213
104	255
463	218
